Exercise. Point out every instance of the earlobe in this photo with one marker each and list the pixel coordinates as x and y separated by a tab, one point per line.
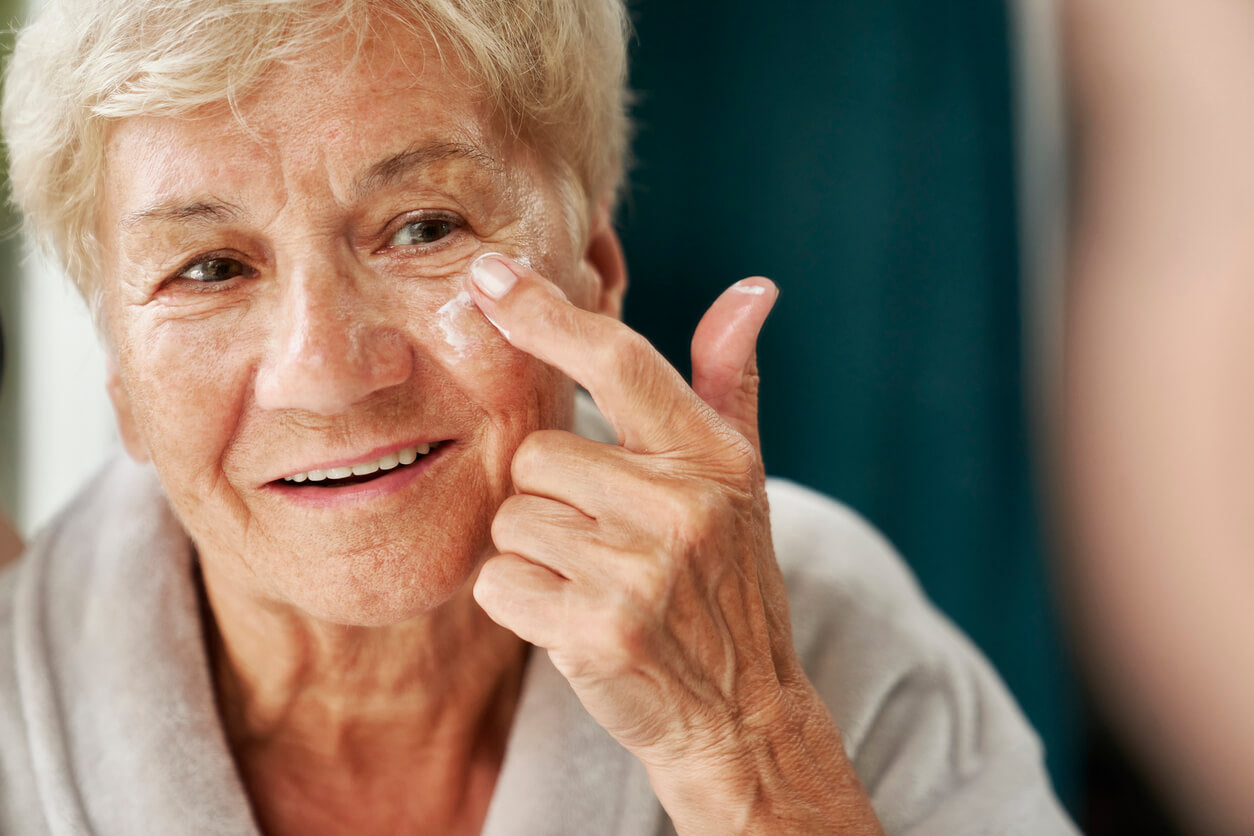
127	427
605	256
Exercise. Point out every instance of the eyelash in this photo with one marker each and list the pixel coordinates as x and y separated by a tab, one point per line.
455	223
202	286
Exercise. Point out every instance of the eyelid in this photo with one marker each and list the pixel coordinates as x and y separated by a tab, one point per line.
176	275
390	230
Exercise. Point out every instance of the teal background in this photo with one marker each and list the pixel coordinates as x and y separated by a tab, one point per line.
861	154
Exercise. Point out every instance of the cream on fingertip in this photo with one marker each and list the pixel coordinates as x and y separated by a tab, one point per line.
755	286
496	325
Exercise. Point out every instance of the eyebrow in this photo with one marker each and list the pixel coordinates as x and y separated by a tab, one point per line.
395	168
204	212
382	174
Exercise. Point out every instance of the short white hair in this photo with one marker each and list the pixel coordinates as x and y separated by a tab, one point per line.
556	70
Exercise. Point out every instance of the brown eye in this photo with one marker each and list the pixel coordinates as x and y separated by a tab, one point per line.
425	231
213	270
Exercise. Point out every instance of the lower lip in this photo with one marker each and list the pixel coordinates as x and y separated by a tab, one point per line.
390	483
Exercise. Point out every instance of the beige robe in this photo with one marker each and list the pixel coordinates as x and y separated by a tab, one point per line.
108	723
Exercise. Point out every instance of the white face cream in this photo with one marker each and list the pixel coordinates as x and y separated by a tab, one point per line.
457	320
452	318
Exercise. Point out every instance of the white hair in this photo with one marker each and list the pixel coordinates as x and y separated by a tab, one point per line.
556	70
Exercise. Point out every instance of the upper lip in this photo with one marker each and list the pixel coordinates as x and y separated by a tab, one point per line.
359	458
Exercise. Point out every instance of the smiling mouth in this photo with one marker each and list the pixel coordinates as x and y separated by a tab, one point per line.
337	477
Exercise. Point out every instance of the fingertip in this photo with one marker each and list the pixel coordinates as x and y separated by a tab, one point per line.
737	315
491	587
494	275
492	281
753	297
725	342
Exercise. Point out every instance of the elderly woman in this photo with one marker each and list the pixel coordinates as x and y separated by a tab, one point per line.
350	261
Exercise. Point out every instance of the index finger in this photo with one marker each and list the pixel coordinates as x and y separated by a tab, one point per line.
645	399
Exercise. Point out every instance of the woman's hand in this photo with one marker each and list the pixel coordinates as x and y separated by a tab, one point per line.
647	569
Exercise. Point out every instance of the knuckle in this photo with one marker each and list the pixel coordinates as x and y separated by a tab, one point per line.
529	455
629	343
621	632
738	460
622	640
548	316
743	456
692	518
622	348
537	453
652	585
506	524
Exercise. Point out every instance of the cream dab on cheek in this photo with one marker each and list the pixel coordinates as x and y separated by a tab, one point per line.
452	319
457	319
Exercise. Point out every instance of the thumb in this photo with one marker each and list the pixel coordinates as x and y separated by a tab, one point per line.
724	353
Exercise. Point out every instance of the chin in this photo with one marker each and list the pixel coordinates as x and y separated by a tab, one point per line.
382	600
380	586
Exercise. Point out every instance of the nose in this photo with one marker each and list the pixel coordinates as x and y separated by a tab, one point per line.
330	347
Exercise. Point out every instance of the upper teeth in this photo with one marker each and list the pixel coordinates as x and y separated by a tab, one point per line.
386	462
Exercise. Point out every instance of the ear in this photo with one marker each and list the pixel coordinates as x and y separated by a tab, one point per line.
605	256
127	428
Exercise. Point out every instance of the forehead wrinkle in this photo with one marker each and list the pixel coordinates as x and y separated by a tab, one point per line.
419	157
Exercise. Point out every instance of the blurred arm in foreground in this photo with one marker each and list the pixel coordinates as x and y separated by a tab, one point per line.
1158	414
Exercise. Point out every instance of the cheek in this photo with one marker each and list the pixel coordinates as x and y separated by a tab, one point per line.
460	338
188	382
512	392
510	386
459	327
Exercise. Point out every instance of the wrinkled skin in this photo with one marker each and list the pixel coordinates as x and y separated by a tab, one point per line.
659	597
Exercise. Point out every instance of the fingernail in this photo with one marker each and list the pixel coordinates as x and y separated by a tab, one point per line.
492	275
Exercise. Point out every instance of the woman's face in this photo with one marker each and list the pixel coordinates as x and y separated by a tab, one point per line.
284	299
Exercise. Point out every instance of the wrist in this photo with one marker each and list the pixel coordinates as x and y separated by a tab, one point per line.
778	769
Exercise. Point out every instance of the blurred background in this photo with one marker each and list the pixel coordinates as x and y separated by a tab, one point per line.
863	156
897	168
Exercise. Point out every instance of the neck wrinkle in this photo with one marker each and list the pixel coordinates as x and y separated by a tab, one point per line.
354	696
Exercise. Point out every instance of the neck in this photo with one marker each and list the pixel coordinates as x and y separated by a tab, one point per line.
317	709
